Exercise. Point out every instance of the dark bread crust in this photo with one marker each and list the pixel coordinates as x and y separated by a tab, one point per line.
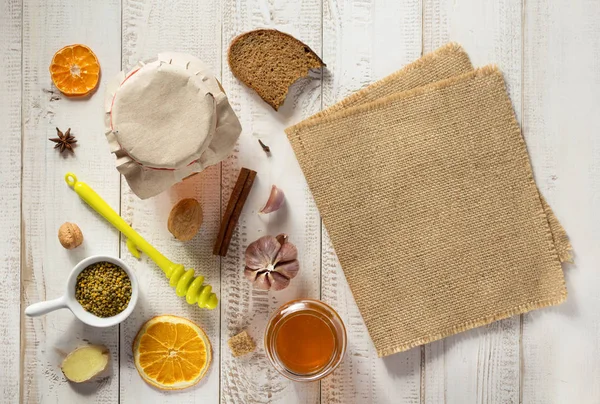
270	61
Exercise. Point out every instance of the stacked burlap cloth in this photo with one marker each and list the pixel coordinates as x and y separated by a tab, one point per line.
425	186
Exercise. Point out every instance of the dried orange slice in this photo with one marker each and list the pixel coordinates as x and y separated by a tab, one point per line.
171	353
75	70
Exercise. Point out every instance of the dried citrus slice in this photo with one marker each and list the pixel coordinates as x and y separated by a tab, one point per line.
75	70
171	353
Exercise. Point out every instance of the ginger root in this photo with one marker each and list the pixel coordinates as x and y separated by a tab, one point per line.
85	363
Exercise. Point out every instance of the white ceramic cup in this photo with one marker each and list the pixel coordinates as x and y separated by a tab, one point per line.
68	300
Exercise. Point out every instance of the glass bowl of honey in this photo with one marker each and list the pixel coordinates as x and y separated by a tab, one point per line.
305	340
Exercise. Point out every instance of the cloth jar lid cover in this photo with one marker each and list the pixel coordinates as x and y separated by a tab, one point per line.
167	119
163	116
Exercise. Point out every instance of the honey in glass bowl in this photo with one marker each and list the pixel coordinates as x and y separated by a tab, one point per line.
305	340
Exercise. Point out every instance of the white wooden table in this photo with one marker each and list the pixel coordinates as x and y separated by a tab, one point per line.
549	51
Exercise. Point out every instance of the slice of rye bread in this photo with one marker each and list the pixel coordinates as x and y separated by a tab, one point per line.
270	61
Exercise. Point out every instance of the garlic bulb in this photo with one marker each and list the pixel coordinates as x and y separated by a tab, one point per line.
271	262
275	201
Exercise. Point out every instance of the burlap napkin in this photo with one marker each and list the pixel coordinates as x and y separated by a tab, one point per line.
429	199
448	61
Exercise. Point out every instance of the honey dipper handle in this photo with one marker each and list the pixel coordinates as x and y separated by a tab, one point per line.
90	197
184	281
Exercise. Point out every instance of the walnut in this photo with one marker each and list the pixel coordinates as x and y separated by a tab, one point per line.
70	236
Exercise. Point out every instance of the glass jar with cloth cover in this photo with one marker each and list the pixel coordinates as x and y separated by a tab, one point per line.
166	120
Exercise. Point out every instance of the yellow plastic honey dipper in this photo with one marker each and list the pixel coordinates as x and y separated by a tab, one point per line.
184	282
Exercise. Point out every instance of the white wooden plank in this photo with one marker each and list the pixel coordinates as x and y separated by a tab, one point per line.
252	378
480	365
363	42
194	27
561	347
10	197
48	202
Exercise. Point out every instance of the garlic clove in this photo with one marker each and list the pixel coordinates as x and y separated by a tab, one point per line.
288	269
275	201
250	274
261	252
270	246
278	281
262	281
287	252
255	258
282	238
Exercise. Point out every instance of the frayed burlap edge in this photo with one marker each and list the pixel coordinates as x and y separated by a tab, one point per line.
559	234
381	102
523	308
347	102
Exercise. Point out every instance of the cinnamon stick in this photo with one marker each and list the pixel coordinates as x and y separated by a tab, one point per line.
234	209
236	213
233	198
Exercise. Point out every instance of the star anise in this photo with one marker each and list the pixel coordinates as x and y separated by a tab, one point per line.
64	141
